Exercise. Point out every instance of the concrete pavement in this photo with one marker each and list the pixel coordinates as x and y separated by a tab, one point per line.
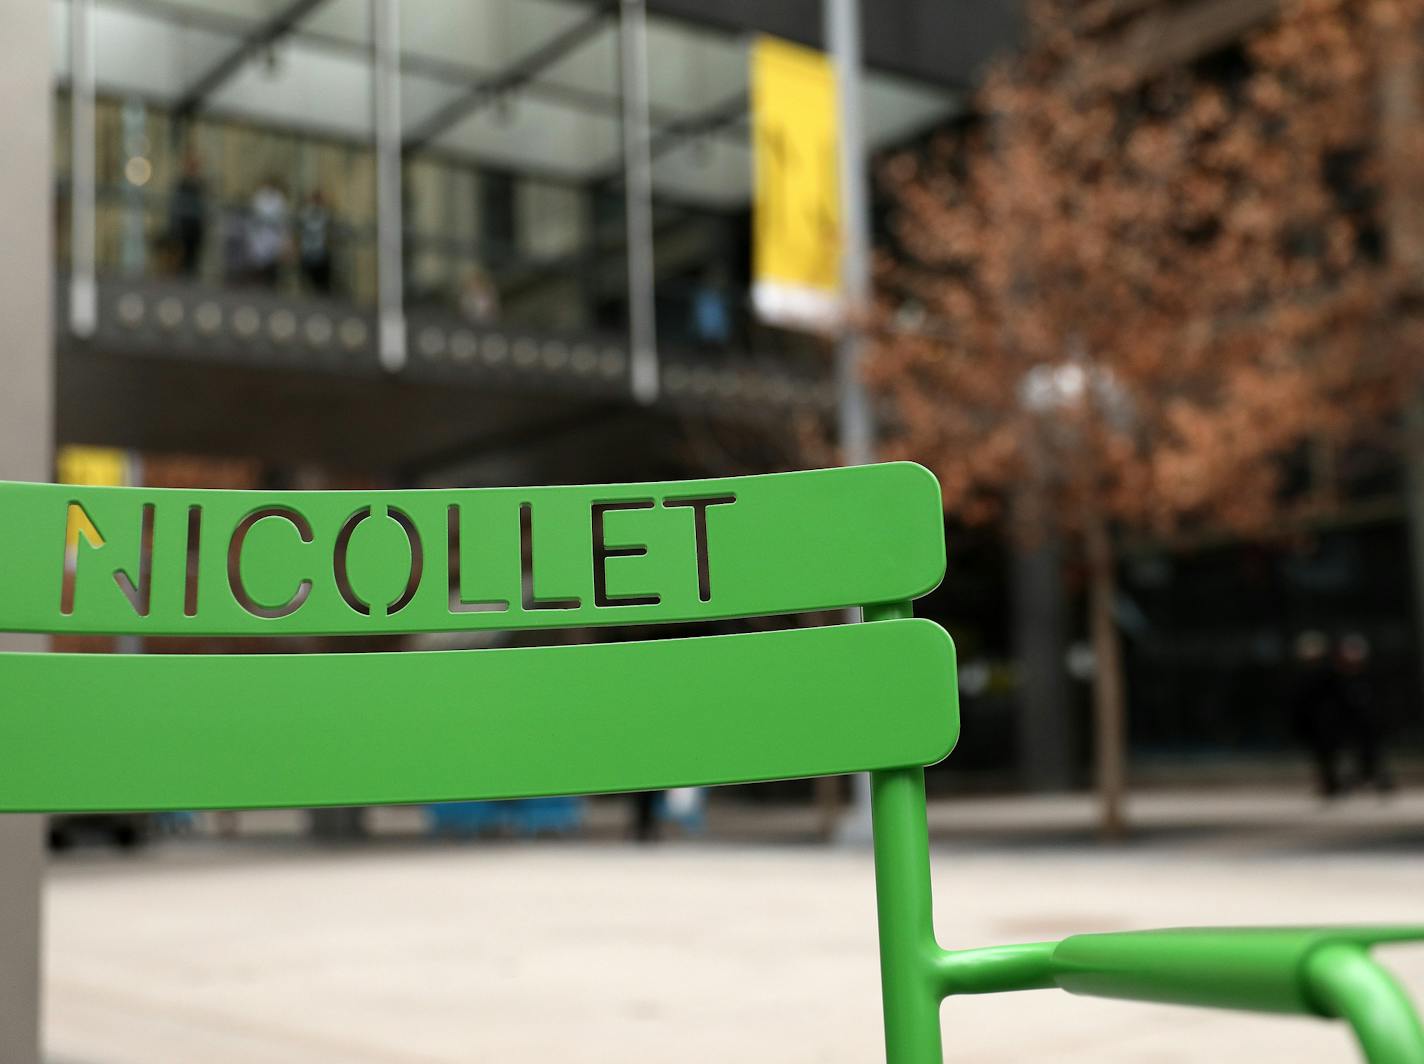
404	950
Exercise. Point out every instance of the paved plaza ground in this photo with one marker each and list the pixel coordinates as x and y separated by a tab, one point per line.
754	944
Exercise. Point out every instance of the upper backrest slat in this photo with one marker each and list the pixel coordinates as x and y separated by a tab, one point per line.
72	559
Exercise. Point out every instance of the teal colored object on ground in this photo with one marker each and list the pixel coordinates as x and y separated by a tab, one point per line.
119	732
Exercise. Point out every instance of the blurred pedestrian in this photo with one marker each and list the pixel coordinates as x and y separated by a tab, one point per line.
314	242
711	316
1317	711
646	809
1361	720
188	216
268	241
232	237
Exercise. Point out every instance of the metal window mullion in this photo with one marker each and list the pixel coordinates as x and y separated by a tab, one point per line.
857	430
637	199
386	106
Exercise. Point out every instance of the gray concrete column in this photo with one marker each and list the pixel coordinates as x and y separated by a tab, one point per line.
26	442
1047	743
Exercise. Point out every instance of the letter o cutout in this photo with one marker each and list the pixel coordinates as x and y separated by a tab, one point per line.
341	570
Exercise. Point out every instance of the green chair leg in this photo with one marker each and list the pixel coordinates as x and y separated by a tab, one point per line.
1320	971
907	942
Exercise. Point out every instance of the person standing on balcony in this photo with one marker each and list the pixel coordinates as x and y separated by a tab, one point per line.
478	298
314	243
268	238
188	216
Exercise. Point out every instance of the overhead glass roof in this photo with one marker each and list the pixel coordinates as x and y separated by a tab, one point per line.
528	85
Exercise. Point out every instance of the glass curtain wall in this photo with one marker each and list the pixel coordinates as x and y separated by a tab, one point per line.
234	147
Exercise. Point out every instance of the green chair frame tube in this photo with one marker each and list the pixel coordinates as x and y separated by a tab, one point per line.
1327	972
1337	979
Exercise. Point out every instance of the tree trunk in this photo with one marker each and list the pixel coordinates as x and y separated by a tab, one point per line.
1109	708
1414	509
1400	83
1046	744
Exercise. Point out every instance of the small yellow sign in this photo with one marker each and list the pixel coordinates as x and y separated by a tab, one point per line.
797	205
96	467
99	467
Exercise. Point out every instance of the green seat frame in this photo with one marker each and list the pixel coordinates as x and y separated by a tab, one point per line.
120	732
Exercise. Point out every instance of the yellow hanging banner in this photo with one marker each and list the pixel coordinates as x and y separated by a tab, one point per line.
797	206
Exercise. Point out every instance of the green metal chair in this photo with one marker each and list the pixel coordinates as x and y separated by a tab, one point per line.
134	732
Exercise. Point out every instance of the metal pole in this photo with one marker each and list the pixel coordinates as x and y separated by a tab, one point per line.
83	289
26	442
638	200
857	432
385	40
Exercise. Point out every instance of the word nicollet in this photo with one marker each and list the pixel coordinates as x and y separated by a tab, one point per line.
139	590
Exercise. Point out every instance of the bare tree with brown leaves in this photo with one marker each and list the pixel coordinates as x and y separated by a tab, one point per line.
1118	305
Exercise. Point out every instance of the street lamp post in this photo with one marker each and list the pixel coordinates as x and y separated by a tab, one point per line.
857	428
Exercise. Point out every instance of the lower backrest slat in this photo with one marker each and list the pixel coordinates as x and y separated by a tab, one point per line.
140	732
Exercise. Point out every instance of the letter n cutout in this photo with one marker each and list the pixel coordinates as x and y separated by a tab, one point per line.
78	524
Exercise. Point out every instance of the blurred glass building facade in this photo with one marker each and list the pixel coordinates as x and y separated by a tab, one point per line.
217	124
511	154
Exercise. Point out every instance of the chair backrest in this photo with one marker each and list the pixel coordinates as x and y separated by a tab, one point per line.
112	732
